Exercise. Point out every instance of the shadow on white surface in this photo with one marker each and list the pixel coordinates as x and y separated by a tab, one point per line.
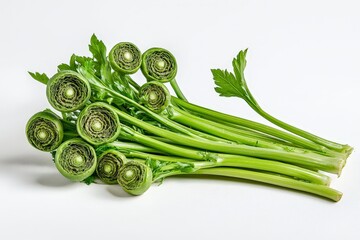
32	170
25	161
117	191
53	180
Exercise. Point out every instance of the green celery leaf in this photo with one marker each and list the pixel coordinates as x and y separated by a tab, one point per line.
71	66
98	49
41	77
63	66
230	84
89	180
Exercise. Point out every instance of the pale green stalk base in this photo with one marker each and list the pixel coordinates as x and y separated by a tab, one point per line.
316	189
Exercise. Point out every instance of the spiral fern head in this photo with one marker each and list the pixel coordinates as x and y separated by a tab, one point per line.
155	96
76	159
68	91
109	164
125	58
135	177
98	124
158	64
44	131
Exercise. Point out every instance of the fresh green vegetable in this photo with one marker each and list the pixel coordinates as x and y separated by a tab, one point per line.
230	84
142	134
75	159
155	96
332	165
160	65
316	189
125	58
135	178
109	164
68	91
98	124
45	131
230	161
309	159
235	121
163	169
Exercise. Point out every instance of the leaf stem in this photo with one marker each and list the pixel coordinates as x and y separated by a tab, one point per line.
312	137
251	124
97	84
220	130
244	162
177	90
311	160
316	189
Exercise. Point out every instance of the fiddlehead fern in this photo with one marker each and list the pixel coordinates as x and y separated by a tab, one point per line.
155	96
159	65
98	124
109	164
125	58
135	177
44	131
75	159
68	91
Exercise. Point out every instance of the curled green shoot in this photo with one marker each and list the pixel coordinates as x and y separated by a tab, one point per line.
135	177
75	159
160	65
155	96
45	131
125	58
109	164
68	91
98	124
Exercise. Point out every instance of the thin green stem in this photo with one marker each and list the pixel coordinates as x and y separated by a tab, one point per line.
324	142
313	161
204	135
229	133
243	136
244	162
251	124
316	189
177	90
128	146
263	177
240	129
96	83
165	147
188	141
132	82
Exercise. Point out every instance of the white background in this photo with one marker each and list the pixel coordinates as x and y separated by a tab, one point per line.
303	66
